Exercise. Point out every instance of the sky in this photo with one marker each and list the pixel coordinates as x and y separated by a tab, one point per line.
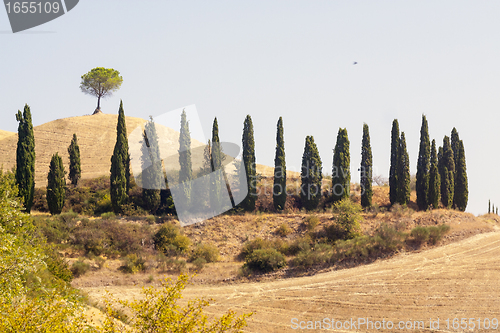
268	59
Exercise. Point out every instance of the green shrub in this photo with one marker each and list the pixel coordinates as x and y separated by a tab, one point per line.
302	244
320	254
265	260
56	264
151	219
258	244
199	263
207	252
283	230
108	216
419	235
311	222
168	239
347	221
79	268
133	264
387	239
436	233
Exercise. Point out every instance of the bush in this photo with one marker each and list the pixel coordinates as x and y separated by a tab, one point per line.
79	268
419	235
133	264
169	240
259	244
108	216
436	233
199	263
207	252
320	254
300	245
283	230
265	260
347	219
311	222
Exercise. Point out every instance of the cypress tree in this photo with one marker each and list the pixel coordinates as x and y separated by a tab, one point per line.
341	172
75	170
404	189
120	165
311	175
279	187
423	167
248	148
493	209
447	174
455	147
461	195
186	169
489	206
25	158
152	173
393	172
455	144
56	185
434	178
366	178
497	211
216	177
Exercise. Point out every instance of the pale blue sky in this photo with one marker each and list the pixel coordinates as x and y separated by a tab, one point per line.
278	58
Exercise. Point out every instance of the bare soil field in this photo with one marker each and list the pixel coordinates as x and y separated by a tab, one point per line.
4	134
457	279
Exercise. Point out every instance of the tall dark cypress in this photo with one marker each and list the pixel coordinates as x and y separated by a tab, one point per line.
434	178
25	158
56	185
279	187
489	206
461	196
447	174
455	144
75	170
366	178
186	168
423	167
341	172
217	177
455	147
248	149
311	175
152	171
404	189
120	165
393	172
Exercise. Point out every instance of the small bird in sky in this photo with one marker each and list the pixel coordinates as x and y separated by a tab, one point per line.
355	63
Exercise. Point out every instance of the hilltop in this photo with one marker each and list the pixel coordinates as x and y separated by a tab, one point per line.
4	134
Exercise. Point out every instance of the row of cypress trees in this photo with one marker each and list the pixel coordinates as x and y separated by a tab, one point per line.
25	166
490	210
399	172
441	176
